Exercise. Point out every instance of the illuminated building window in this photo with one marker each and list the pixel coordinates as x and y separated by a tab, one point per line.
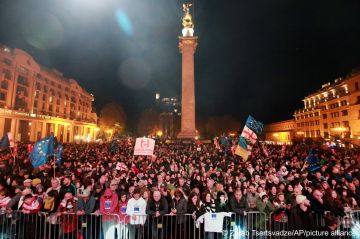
2	96
22	80
7	74
7	62
4	85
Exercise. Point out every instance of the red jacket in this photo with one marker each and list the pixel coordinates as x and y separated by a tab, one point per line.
109	204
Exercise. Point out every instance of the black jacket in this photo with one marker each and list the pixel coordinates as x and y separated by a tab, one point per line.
238	207
152	207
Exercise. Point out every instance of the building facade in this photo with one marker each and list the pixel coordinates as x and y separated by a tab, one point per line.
280	132
36	101
332	112
169	117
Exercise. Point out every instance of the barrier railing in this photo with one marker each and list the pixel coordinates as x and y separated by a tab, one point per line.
96	226
279	221
22	225
349	225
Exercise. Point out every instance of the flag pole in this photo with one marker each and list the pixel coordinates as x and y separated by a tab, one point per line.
12	154
54	165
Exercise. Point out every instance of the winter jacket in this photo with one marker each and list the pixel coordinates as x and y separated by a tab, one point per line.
238	207
109	204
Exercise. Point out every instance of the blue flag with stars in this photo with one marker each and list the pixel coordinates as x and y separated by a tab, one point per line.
41	150
58	154
255	125
5	143
113	146
313	161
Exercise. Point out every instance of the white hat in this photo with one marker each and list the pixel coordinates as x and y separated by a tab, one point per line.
262	194
28	181
300	199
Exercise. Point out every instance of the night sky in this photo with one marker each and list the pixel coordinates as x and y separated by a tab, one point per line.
258	57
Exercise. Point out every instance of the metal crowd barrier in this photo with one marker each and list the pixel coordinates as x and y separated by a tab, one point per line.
248	225
279	222
96	226
22	226
349	225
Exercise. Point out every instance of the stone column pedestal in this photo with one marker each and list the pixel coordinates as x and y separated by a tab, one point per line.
187	46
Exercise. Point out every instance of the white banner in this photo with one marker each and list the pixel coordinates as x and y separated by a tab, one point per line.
144	146
11	140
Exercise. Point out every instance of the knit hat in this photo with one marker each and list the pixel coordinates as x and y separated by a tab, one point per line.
35	182
262	194
114	182
26	191
300	199
28	181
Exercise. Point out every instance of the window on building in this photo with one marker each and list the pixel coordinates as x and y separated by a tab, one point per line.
2	96
38	86
345	123
358	100
324	116
343	103
4	85
22	80
35	103
344	112
7	62
356	85
50	108
7	74
325	125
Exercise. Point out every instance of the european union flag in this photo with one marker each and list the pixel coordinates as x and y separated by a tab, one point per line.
255	125
5	143
41	150
58	154
113	146
313	161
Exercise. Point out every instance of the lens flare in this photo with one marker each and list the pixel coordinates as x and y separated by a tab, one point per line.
43	31
135	73
124	22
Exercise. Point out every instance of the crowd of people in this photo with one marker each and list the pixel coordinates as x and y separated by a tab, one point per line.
183	179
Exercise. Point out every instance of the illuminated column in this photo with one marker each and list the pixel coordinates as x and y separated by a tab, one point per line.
187	47
2	123
43	131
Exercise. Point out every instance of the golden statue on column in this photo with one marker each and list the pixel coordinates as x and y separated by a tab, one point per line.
188	30
187	19
187	47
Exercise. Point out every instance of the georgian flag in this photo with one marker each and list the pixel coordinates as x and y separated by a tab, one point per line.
248	134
